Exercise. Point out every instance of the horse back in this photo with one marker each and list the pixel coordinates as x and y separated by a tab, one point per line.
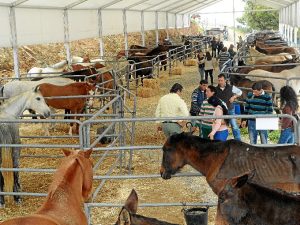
275	166
30	220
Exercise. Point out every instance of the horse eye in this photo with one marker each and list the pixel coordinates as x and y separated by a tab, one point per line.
38	98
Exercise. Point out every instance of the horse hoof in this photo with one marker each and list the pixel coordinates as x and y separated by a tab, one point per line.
18	201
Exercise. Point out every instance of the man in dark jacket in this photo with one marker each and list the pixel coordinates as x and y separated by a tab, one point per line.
228	93
198	96
214	46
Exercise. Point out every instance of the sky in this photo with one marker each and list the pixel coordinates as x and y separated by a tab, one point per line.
220	19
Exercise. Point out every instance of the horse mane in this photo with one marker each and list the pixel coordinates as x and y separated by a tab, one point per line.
64	172
271	192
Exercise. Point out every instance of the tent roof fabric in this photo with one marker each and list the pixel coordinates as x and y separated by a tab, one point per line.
171	6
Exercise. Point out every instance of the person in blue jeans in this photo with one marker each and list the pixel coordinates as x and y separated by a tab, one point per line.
258	102
289	105
228	93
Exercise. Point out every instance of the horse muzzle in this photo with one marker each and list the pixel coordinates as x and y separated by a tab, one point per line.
164	174
47	114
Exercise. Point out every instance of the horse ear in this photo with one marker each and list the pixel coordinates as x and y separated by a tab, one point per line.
124	217
67	152
132	202
37	88
241	180
88	153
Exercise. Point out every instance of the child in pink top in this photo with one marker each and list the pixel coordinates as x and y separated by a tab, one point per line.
219	127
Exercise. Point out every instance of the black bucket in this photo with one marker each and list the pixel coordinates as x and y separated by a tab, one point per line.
195	216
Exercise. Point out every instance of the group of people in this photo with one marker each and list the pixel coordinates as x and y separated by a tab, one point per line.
207	60
209	100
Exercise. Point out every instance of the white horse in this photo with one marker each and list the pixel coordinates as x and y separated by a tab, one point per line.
9	134
52	70
17	87
279	79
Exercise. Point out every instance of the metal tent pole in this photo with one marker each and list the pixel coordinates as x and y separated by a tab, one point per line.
100	31
143	28
67	36
156	28
14	40
125	32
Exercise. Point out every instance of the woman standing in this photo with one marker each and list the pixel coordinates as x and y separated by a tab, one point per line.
219	126
208	67
200	57
207	110
289	105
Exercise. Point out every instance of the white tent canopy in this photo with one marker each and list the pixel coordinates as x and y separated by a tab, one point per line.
44	21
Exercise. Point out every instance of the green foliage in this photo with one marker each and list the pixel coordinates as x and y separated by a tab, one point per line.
259	20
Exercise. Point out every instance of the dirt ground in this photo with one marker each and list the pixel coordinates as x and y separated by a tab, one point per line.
156	190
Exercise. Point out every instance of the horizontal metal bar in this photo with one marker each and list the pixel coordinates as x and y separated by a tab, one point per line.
167	204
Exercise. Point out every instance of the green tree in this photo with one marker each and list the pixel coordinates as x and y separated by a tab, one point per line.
259	20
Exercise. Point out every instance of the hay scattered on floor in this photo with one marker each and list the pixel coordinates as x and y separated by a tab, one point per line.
145	92
151	83
176	71
190	62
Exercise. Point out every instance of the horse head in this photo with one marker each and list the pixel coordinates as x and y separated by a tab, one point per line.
173	155
129	208
86	166
36	102
231	206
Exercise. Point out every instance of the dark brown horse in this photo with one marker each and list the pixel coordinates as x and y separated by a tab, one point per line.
128	216
244	202
218	161
71	186
266	49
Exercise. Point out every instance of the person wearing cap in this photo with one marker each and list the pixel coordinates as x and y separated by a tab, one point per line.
171	105
257	102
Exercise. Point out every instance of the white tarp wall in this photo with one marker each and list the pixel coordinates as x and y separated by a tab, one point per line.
41	26
289	22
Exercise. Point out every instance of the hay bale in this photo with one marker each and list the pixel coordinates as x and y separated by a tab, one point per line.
145	92
176	71
151	83
190	62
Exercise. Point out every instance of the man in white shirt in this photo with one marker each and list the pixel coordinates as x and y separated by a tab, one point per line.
172	105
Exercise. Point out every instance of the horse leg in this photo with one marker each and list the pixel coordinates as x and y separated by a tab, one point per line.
2	202
17	186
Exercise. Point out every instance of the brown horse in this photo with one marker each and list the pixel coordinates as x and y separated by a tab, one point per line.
244	202
75	105
217	161
72	184
128	216
266	49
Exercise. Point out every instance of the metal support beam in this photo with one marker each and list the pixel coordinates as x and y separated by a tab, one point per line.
188	8
125	32
143	28
233	20
169	5
67	36
135	4
176	25
181	5
14	40
167	25
18	2
156	29
100	32
163	2
75	4
110	4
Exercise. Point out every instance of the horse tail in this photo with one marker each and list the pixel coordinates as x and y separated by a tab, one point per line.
8	176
